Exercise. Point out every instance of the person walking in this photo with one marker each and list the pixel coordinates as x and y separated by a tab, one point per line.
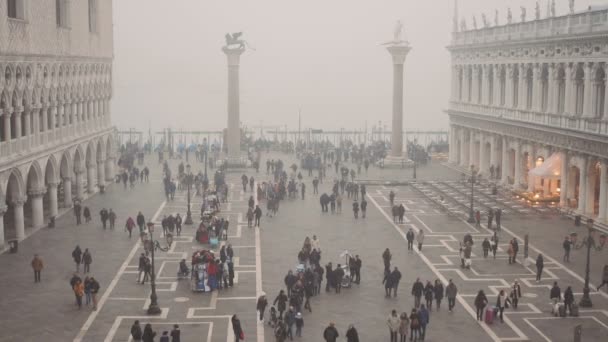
358	264
540	264
494	241
567	245
149	334
480	302
112	218
94	291
299	324
388	284
386	257
330	334
176	334
438	293
414	325
515	244
425	319
485	245
86	212
236	327
141	221
410	239
281	299
261	306
79	292
258	215
136	332
604	277
164	337
393	322
450	292
37	266
396	278
363	207
290	321
103	215
87	291
555	294
404	323
429	293
569	299
417	291
502	302
77	256
420	239
77	212
129	225
515	294
87	259
352	335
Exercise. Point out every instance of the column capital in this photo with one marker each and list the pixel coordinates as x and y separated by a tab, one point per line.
7	112
19	202
399	53
37	192
52	184
18	110
67	179
101	161
2	209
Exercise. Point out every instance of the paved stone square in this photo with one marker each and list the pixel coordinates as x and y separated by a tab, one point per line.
263	257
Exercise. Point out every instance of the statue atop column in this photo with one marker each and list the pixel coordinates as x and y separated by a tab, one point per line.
523	14
484	20
399	36
233	42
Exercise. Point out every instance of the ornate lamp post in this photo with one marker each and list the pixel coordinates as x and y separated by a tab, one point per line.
153	309
188	220
471	211
588	242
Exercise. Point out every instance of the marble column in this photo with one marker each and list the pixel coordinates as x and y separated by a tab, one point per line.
493	152
67	192
568	97
475	83
588	92
509	86
234	129
482	155
603	192
605	114
398	54
79	187
522	97
465	84
2	212
18	218
109	166
484	85
53	206
517	173
101	176
7	125
17	114
463	148
582	187
35	196
537	88
91	177
563	186
471	149
552	89
506	164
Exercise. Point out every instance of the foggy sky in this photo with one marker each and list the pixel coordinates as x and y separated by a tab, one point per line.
322	57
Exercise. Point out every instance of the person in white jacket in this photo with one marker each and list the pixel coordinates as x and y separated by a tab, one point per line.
316	244
393	323
420	239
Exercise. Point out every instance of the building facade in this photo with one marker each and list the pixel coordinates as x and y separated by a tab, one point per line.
56	139
528	101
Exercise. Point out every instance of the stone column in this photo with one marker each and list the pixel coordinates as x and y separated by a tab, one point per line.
496	87
482	157
2	212
522	97
17	114
603	192
493	152
466	71
27	121
463	148
79	187
53	206
471	149
537	88
109	166
552	89
35	196
234	129
7	125
91	177
101	176
568	100
398	54
582	187
506	165
588	93
67	192
532	161
484	85
475	87
509	86
517	173
605	114
18	218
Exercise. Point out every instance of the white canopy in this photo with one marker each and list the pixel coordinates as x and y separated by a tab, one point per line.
550	169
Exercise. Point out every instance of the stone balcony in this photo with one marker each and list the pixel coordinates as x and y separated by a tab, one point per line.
566	122
589	22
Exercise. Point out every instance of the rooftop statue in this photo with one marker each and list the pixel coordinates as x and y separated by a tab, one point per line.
523	14
537	11
496	18
399	37
509	16
474	23
233	42
571	4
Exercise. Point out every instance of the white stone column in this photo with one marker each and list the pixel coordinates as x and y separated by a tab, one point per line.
496	86
605	114
2	212
552	89
588	94
466	71
522	97
67	192
109	166
603	192
463	148
79	187
476	85
53	206
582	187
453	84
35	196
91	177
509	86
506	165
569	100
471	149
101	176
17	113
398	54
532	164
234	127
493	152
537	88
484	84
517	173
482	155
563	186
7	125
18	218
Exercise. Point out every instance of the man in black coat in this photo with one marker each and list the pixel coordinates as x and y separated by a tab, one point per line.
329	276
396	278
141	221
417	290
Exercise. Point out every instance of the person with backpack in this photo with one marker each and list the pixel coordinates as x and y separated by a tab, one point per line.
94	291
236	327
414	325
352	335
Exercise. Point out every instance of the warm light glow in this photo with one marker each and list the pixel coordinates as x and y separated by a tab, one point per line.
537	196
558	189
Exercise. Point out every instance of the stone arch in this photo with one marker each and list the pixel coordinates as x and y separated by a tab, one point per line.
51	170
35	177
78	160
14	198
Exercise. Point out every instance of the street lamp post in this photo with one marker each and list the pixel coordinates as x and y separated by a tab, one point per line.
589	242
153	309
471	211
188	220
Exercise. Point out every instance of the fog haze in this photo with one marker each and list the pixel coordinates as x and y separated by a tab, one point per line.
321	57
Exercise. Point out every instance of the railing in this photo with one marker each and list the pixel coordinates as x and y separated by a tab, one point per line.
587	125
584	22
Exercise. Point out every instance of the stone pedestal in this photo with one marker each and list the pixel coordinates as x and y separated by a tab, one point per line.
397	157
233	135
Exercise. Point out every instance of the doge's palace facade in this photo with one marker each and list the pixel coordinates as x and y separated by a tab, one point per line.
55	87
532	94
